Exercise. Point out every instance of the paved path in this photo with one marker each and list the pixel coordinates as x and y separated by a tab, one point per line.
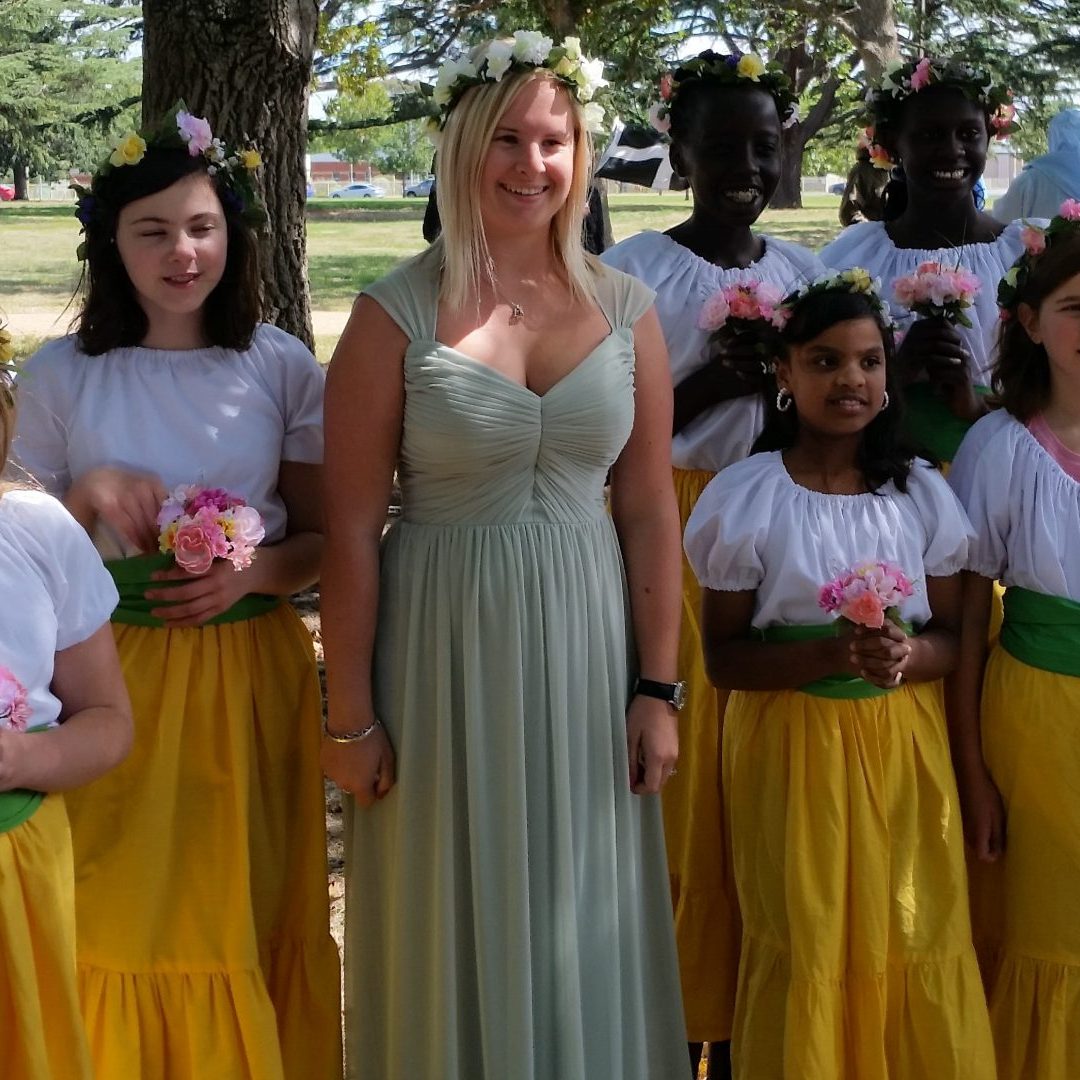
55	323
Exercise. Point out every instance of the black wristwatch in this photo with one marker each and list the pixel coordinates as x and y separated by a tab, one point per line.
674	693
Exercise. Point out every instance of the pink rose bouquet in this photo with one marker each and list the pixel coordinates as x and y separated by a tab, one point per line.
198	525
867	595
14	707
743	306
938	292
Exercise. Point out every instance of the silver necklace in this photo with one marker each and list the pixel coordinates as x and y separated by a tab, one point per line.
517	312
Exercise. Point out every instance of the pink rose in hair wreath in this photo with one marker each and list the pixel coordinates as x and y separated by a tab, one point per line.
1070	210
1034	240
193	548
920	77
14	707
195	131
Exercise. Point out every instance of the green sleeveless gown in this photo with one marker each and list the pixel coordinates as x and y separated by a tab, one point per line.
508	912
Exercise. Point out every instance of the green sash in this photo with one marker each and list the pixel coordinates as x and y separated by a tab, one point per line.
18	805
929	423
838	686
1042	631
132	578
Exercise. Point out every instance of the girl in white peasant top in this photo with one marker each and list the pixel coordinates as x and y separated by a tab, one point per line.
65	719
726	137
1017	759
856	955
204	944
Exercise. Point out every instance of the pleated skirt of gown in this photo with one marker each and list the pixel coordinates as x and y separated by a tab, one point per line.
508	911
41	1028
204	942
857	959
1027	907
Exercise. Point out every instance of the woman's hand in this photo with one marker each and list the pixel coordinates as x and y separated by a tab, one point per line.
127	500
983	812
652	743
363	768
200	597
743	354
882	655
936	347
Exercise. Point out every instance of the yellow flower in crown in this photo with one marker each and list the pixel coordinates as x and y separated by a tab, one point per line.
750	67
7	348
860	279
129	150
250	159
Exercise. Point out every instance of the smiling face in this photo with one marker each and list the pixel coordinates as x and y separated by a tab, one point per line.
837	379
942	142
173	245
727	145
529	165
1056	326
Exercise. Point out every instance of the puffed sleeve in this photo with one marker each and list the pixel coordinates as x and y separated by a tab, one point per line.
82	591
979	475
631	296
43	395
300	384
948	532
727	528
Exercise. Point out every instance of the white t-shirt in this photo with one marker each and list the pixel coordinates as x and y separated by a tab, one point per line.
683	282
1024	507
868	245
56	594
209	416
755	528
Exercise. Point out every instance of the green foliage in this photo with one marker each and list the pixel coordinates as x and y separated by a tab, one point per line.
65	83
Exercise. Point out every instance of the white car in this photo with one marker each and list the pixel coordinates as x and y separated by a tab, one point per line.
358	191
421	189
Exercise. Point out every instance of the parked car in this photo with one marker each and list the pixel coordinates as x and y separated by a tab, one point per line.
421	189
837	189
7	193
358	191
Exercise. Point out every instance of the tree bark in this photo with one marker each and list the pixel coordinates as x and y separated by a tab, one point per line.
246	66
22	179
873	25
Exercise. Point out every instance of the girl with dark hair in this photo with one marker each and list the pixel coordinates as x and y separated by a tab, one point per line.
203	932
1015	714
935	119
856	954
724	115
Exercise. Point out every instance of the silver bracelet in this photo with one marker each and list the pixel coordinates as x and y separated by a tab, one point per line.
351	736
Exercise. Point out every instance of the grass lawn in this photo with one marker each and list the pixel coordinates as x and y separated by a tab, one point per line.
350	244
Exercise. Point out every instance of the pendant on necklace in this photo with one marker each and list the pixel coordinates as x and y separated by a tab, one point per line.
517	313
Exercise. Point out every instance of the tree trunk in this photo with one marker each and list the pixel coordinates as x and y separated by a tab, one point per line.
873	23
22	179
246	66
788	194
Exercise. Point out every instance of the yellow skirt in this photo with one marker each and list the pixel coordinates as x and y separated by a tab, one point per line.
857	961
1028	908
41	1031
698	847
204	944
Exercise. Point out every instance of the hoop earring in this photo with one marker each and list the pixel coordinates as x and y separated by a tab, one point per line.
884	402
784	400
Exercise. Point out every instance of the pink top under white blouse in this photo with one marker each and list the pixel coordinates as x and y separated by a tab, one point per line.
683	282
209	416
755	528
56	594
868	245
1024	507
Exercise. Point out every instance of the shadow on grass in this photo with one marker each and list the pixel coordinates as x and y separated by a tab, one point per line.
36	209
341	277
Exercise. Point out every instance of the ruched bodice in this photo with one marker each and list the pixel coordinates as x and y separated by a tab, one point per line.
479	448
514	918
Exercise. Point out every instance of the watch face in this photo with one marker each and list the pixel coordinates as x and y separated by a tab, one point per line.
678	695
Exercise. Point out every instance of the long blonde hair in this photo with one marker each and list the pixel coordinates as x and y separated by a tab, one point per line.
459	165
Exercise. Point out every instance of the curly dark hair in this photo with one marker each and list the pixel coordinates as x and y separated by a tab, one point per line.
111	316
884	453
1021	373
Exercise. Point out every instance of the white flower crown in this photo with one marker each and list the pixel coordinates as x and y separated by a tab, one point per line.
527	49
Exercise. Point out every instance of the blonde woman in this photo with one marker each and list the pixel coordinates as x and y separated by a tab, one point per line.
501	671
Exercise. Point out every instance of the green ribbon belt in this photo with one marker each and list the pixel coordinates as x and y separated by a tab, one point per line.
930	425
840	686
132	578
1042	631
18	805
